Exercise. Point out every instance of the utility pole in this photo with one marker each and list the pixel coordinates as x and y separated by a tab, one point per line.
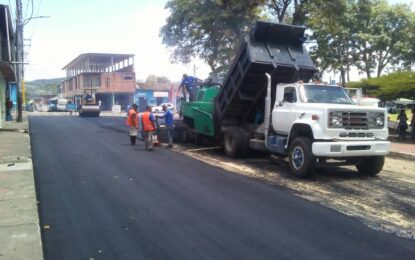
19	57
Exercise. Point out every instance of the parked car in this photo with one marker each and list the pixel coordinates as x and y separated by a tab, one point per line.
158	109
52	105
61	105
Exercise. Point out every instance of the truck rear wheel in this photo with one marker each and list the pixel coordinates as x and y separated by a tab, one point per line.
371	165
235	142
301	159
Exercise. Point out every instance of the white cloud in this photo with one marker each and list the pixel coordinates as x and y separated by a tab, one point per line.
152	57
138	35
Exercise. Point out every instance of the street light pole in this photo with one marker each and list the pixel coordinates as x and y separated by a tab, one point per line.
19	58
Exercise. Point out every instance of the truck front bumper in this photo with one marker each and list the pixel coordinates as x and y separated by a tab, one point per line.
350	148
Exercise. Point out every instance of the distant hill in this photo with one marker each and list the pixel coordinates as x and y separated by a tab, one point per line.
42	82
40	87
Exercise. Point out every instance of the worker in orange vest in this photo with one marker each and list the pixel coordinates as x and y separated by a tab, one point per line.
148	126
132	122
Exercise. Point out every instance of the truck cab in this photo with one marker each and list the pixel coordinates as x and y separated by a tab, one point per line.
317	122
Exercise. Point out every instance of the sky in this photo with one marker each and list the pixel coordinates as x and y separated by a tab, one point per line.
108	26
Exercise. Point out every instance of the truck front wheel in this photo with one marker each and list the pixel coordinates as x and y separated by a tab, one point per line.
371	165
235	142
301	159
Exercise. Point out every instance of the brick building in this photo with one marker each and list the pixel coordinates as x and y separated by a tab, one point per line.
112	75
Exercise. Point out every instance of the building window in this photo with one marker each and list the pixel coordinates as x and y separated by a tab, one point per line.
128	78
92	80
107	82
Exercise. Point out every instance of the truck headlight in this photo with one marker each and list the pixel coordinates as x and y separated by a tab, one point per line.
380	120
335	121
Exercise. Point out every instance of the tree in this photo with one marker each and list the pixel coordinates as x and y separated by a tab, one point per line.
277	8
292	11
330	36
389	87
151	79
213	29
300	12
210	30
382	35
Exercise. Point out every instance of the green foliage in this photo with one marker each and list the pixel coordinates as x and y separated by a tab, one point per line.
369	34
389	87
382	34
331	49
157	79
210	30
42	87
277	10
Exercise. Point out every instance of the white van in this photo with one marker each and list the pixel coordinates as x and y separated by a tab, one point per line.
61	105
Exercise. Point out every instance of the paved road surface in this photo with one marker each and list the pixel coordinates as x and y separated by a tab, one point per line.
101	198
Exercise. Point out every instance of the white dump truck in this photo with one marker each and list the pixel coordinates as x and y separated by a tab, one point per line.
262	104
316	124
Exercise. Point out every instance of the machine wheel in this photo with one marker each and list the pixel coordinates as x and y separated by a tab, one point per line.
235	142
371	165
301	159
184	135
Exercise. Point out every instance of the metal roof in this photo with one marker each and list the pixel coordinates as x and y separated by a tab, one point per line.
105	59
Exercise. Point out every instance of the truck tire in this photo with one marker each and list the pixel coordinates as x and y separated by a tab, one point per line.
235	142
301	159
197	139
371	165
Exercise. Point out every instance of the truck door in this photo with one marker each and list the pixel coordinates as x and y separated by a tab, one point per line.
283	114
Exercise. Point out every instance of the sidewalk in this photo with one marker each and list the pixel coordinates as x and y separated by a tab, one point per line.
19	220
402	149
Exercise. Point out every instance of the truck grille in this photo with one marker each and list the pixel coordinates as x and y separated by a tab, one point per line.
355	120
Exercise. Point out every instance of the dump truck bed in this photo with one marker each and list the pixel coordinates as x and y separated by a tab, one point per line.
271	48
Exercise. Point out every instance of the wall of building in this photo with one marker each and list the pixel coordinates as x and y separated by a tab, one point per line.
120	82
144	97
112	82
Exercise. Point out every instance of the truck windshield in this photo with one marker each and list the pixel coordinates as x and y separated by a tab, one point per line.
324	94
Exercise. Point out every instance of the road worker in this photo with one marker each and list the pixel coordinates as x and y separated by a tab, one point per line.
168	117
132	122
149	127
189	85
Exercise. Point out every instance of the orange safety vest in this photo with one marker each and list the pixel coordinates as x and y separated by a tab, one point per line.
132	119
147	124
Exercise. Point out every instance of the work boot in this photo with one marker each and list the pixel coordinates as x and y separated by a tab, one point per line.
132	138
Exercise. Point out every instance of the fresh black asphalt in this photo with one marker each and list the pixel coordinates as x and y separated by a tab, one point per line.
101	198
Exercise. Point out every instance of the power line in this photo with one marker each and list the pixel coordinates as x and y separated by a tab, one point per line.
33	28
26	21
